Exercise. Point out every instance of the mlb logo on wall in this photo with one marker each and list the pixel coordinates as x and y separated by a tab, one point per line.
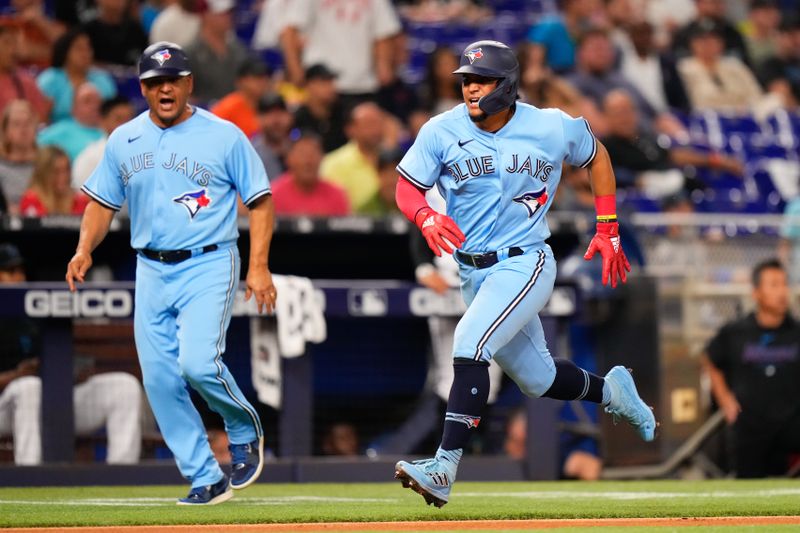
472	55
193	201
162	56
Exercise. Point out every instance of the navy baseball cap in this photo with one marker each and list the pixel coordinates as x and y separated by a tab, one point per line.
163	59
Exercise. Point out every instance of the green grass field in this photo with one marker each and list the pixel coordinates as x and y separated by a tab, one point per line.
359	502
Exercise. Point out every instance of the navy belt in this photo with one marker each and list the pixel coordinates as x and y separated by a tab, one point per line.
174	256
487	259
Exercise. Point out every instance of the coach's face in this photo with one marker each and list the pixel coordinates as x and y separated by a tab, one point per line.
168	98
772	293
473	88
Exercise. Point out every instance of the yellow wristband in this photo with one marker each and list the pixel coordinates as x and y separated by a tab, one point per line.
606	218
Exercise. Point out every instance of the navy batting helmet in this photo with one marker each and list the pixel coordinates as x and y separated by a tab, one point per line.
493	59
163	59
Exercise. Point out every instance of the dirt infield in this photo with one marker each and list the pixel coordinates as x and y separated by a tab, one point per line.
465	525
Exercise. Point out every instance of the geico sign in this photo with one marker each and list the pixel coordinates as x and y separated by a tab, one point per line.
86	303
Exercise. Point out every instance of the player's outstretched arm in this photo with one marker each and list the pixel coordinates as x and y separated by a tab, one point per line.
94	227
606	239
259	278
437	228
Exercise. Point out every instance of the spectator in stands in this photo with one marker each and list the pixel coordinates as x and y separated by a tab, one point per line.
545	89
50	191
753	363
456	11
275	130
760	31
789	247
354	166
643	159
37	30
439	91
352	39
653	74
116	37
399	97
666	17
322	112
383	201
301	190
74	134
714	10
341	438
15	82
684	249
113	113
240	106
110	400
596	76
217	54
17	151
780	73
713	80
553	38
177	23
72	66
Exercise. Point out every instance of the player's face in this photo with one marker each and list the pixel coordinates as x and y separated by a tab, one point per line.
772	293
168	97
473	88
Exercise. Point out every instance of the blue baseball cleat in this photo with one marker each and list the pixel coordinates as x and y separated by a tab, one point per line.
430	478
247	460
210	494
626	403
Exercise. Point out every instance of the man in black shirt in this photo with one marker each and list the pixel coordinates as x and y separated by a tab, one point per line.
754	366
116	37
651	161
322	112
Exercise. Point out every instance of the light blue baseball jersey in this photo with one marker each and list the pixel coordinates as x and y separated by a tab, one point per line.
498	186
180	182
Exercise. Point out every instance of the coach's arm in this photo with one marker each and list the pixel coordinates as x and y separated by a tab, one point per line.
94	228
723	394
259	278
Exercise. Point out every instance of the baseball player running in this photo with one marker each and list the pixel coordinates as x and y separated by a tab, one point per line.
180	168
497	163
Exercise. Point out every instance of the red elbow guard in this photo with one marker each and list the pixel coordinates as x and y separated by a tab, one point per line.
410	199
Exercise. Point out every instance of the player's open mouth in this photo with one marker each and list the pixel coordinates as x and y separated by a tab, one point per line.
166	103
473	103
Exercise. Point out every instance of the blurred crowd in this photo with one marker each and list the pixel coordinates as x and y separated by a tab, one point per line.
323	90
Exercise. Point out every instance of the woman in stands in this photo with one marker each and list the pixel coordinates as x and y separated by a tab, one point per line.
50	192
72	66
17	150
439	91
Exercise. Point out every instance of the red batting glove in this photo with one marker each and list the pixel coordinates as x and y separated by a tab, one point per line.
606	241
438	229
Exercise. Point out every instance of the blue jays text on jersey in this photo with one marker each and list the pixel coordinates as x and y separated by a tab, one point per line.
498	185
180	182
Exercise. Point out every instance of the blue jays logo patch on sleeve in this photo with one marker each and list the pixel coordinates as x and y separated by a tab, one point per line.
193	201
162	56
532	200
472	55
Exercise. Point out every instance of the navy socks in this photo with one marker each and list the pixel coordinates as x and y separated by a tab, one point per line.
575	383
468	396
